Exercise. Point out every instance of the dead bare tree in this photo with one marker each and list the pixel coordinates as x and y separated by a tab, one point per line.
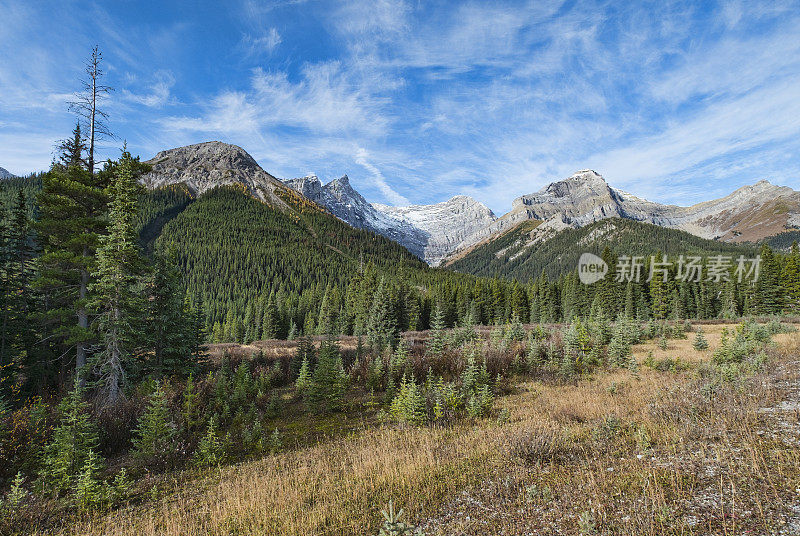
87	104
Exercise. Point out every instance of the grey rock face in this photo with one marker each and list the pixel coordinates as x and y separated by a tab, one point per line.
440	231
343	201
750	213
430	232
5	174
205	165
446	225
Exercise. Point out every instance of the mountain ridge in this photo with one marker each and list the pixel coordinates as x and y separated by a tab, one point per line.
442	232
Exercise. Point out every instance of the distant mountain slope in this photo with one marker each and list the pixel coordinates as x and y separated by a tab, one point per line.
5	174
749	214
520	253
448	231
429	231
783	240
444	225
343	201
236	250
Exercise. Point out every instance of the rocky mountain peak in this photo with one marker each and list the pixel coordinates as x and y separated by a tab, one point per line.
342	186
203	166
5	174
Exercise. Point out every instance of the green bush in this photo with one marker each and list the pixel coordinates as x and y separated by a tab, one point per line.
700	343
88	489
328	381
74	439
211	449
154	441
408	405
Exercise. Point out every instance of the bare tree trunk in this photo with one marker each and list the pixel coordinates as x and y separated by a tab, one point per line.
114	374
93	107
83	323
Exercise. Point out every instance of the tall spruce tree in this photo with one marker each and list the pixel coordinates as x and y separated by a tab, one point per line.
117	300
170	326
328	381
382	327
790	279
71	207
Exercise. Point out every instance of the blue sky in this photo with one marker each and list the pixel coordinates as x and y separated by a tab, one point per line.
418	101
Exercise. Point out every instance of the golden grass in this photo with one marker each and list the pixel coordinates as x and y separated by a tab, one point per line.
631	455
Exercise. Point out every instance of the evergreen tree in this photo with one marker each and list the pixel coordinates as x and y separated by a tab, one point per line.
117	300
269	323
436	340
305	352
154	434
170	327
790	279
328	381
766	294
382	327
71	207
700	343
409	404
730	307
659	294
73	439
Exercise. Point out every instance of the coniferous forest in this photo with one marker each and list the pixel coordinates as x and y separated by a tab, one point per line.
139	327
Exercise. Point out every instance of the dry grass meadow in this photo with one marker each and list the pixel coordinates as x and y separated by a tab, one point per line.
648	453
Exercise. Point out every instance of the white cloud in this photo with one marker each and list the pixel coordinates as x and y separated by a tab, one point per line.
159	94
263	44
395	198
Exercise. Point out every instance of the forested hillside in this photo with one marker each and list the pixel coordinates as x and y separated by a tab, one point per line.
513	254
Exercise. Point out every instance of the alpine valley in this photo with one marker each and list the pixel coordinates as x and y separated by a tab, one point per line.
458	231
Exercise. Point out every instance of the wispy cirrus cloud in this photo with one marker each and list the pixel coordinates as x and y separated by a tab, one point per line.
264	43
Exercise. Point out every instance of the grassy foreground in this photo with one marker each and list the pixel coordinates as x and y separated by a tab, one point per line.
677	448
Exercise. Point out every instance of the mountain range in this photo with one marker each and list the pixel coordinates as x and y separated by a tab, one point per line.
443	233
5	174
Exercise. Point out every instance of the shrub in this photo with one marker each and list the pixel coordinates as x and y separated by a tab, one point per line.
16	494
211	449
328	381
88	489
619	349
392	526
515	331
533	358
409	404
73	440
480	401
154	444
700	343
191	407
303	381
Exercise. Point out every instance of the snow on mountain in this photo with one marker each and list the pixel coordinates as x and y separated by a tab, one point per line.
429	231
445	230
343	201
446	225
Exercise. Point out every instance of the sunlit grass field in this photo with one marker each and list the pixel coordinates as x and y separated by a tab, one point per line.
671	451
